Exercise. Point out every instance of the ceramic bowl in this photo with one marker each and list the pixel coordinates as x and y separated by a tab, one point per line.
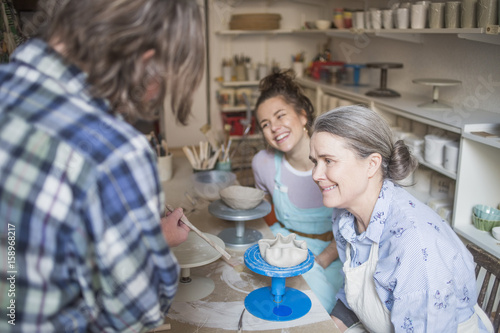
323	24
496	232
486	212
241	197
283	251
483	224
207	184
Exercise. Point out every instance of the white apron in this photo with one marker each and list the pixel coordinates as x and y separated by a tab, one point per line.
363	299
362	296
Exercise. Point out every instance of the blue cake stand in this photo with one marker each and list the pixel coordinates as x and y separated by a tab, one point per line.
278	302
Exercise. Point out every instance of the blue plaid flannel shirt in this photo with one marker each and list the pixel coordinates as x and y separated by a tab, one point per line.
80	203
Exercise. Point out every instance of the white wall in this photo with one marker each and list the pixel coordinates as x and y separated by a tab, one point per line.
179	135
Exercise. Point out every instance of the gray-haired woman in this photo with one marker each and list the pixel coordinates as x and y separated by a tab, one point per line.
405	269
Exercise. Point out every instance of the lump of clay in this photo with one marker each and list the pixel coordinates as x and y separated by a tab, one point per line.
283	251
241	197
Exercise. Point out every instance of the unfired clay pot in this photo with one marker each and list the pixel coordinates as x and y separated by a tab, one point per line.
283	251
241	197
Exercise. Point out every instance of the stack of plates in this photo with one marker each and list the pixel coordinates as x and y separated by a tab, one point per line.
255	22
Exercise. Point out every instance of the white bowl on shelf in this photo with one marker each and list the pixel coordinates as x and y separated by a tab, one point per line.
323	24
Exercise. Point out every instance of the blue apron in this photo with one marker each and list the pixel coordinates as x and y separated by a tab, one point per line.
325	283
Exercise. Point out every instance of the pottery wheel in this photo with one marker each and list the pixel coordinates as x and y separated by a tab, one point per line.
195	252
277	302
239	237
383	91
436	83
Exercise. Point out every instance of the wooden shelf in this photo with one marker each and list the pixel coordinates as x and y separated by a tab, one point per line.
485	35
239	83
234	108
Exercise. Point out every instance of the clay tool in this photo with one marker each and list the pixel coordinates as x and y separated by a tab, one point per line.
240	323
190	156
162	328
210	135
184	220
165	147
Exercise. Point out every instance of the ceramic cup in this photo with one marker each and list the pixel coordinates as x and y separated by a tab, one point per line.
403	18
434	149
165	167
387	19
427	5
452	14
451	156
298	68
487	13
227	73
418	16
468	14
436	15
359	20
376	16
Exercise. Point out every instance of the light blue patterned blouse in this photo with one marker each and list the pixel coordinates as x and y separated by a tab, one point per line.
424	275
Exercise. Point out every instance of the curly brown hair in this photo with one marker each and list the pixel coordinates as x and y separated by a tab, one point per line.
282	84
108	39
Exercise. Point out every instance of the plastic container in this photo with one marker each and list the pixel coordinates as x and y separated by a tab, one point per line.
207	184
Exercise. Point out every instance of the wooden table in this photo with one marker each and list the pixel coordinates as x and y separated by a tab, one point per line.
221	310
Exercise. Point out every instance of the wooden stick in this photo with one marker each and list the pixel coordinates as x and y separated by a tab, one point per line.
196	157
165	147
202	235
162	328
213	159
190	156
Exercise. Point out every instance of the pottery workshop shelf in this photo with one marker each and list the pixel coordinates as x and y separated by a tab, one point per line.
485	35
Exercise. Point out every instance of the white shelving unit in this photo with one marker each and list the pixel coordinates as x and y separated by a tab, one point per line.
479	181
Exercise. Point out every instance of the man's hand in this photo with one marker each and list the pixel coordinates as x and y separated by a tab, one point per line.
174	231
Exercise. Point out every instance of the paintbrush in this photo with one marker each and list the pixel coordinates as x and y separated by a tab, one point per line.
219	249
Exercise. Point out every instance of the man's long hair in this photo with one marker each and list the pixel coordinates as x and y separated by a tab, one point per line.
108	40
